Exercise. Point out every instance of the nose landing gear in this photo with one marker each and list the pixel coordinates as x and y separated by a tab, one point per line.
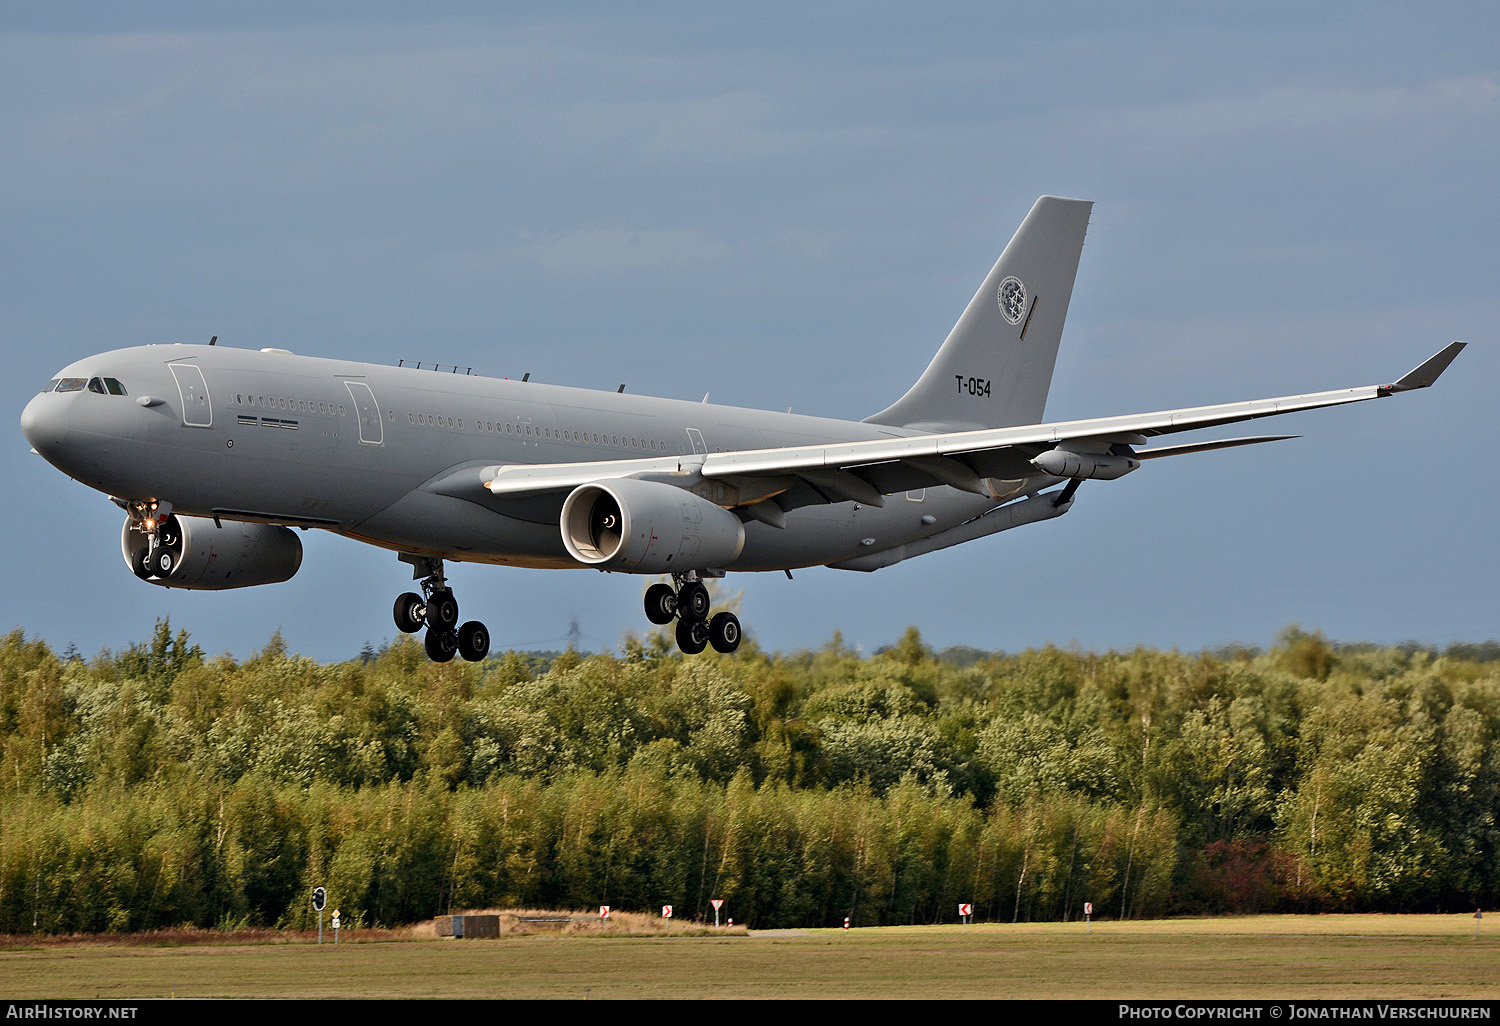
689	604
437	610
158	558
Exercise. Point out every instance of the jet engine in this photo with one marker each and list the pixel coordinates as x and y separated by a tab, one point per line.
197	553
647	527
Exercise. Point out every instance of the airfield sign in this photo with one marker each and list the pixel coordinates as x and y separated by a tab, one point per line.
603	911
666	911
718	903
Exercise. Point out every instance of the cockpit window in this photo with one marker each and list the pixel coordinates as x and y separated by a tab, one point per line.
100	386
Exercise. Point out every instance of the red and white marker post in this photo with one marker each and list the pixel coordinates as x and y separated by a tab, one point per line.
718	903
965	912
1088	916
603	911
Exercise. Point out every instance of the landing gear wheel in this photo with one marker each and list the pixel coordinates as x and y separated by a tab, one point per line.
163	563
139	567
693	602
473	641
661	603
409	613
441	645
692	636
724	632
442	611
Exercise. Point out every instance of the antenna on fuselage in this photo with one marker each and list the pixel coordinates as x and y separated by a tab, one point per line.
526	376
213	340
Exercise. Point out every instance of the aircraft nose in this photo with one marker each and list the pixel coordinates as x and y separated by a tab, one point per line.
44	422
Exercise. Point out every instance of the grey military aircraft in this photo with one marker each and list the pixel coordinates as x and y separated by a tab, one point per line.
215	453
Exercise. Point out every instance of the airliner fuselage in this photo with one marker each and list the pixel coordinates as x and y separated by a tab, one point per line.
379	453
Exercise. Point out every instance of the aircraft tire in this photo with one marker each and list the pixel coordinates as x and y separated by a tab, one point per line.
163	563
693	602
408	613
441	645
692	636
724	632
473	641
442	611
661	604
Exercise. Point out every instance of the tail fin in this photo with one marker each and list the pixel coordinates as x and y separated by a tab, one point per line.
996	365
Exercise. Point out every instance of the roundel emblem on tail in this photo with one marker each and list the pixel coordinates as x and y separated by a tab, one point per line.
1012	299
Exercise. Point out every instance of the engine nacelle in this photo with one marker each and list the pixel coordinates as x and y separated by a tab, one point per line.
196	553
647	527
1085	466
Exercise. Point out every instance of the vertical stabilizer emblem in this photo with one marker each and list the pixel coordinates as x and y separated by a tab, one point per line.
1012	298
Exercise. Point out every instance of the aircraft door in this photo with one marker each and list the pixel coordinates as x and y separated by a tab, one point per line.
371	430
197	410
696	438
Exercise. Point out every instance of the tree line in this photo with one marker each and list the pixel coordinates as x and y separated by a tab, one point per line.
157	787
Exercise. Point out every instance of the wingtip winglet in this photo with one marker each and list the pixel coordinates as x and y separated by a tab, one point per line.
1428	372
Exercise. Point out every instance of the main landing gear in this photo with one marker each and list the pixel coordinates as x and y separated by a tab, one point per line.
688	603
437	610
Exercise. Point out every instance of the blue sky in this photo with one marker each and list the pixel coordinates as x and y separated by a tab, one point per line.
787	206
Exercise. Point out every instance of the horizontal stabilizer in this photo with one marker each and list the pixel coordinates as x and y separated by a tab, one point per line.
1222	443
1044	506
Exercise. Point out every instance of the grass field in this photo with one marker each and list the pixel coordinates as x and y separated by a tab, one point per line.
1307	957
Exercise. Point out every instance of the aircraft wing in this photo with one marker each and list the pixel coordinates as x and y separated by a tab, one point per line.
865	471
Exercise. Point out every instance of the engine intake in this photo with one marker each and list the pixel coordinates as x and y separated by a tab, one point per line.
647	527
196	553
